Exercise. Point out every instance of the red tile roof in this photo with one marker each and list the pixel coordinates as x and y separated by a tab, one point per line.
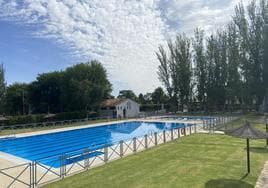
112	102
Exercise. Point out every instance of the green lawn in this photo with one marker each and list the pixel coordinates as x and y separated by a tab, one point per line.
255	120
193	161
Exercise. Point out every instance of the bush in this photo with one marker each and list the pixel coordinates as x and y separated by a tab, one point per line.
25	119
71	115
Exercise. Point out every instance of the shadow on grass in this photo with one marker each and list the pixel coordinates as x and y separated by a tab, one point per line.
227	183
259	149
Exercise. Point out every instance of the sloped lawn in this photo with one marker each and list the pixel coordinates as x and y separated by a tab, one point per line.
209	161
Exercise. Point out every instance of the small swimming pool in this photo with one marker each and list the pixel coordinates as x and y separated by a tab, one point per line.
55	144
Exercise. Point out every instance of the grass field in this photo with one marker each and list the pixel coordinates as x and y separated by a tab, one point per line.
255	120
210	161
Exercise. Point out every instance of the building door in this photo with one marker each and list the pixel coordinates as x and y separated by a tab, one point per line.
124	113
114	114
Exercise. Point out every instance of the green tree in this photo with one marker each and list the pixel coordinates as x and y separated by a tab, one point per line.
233	87
164	74
265	59
211	87
175	70
242	25
85	86
2	89
17	100
199	58
256	41
45	93
127	94
141	99
221	69
216	55
159	96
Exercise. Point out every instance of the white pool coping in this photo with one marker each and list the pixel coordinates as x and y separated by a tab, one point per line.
13	158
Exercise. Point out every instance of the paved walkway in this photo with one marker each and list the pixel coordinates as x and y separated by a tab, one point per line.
263	178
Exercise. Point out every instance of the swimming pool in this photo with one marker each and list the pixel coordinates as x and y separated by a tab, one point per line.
55	144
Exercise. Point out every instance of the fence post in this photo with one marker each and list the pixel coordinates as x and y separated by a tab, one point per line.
164	136
179	134
155	138
146	141
33	174
31	184
86	161
190	129
172	137
210	122
62	166
106	154
134	144
121	148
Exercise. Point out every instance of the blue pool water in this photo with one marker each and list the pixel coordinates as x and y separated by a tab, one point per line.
55	144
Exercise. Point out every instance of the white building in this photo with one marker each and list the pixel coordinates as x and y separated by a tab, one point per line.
120	108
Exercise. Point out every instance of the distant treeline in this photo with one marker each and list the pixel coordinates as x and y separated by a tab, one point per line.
226	69
81	87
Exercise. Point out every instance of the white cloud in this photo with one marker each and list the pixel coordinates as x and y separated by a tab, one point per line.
123	34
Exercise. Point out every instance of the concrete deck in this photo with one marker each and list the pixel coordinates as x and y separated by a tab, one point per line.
263	178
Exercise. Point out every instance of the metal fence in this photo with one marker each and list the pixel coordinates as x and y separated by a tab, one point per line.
216	124
72	122
36	173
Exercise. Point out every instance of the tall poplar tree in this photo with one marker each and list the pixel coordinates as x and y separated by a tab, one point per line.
2	88
200	64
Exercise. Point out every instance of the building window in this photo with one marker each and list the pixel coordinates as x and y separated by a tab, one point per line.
128	105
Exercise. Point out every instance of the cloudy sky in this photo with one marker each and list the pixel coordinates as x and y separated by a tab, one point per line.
45	35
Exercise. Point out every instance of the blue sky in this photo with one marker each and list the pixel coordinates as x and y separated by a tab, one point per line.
39	36
25	56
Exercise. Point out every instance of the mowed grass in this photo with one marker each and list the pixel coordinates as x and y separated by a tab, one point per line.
203	160
256	121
